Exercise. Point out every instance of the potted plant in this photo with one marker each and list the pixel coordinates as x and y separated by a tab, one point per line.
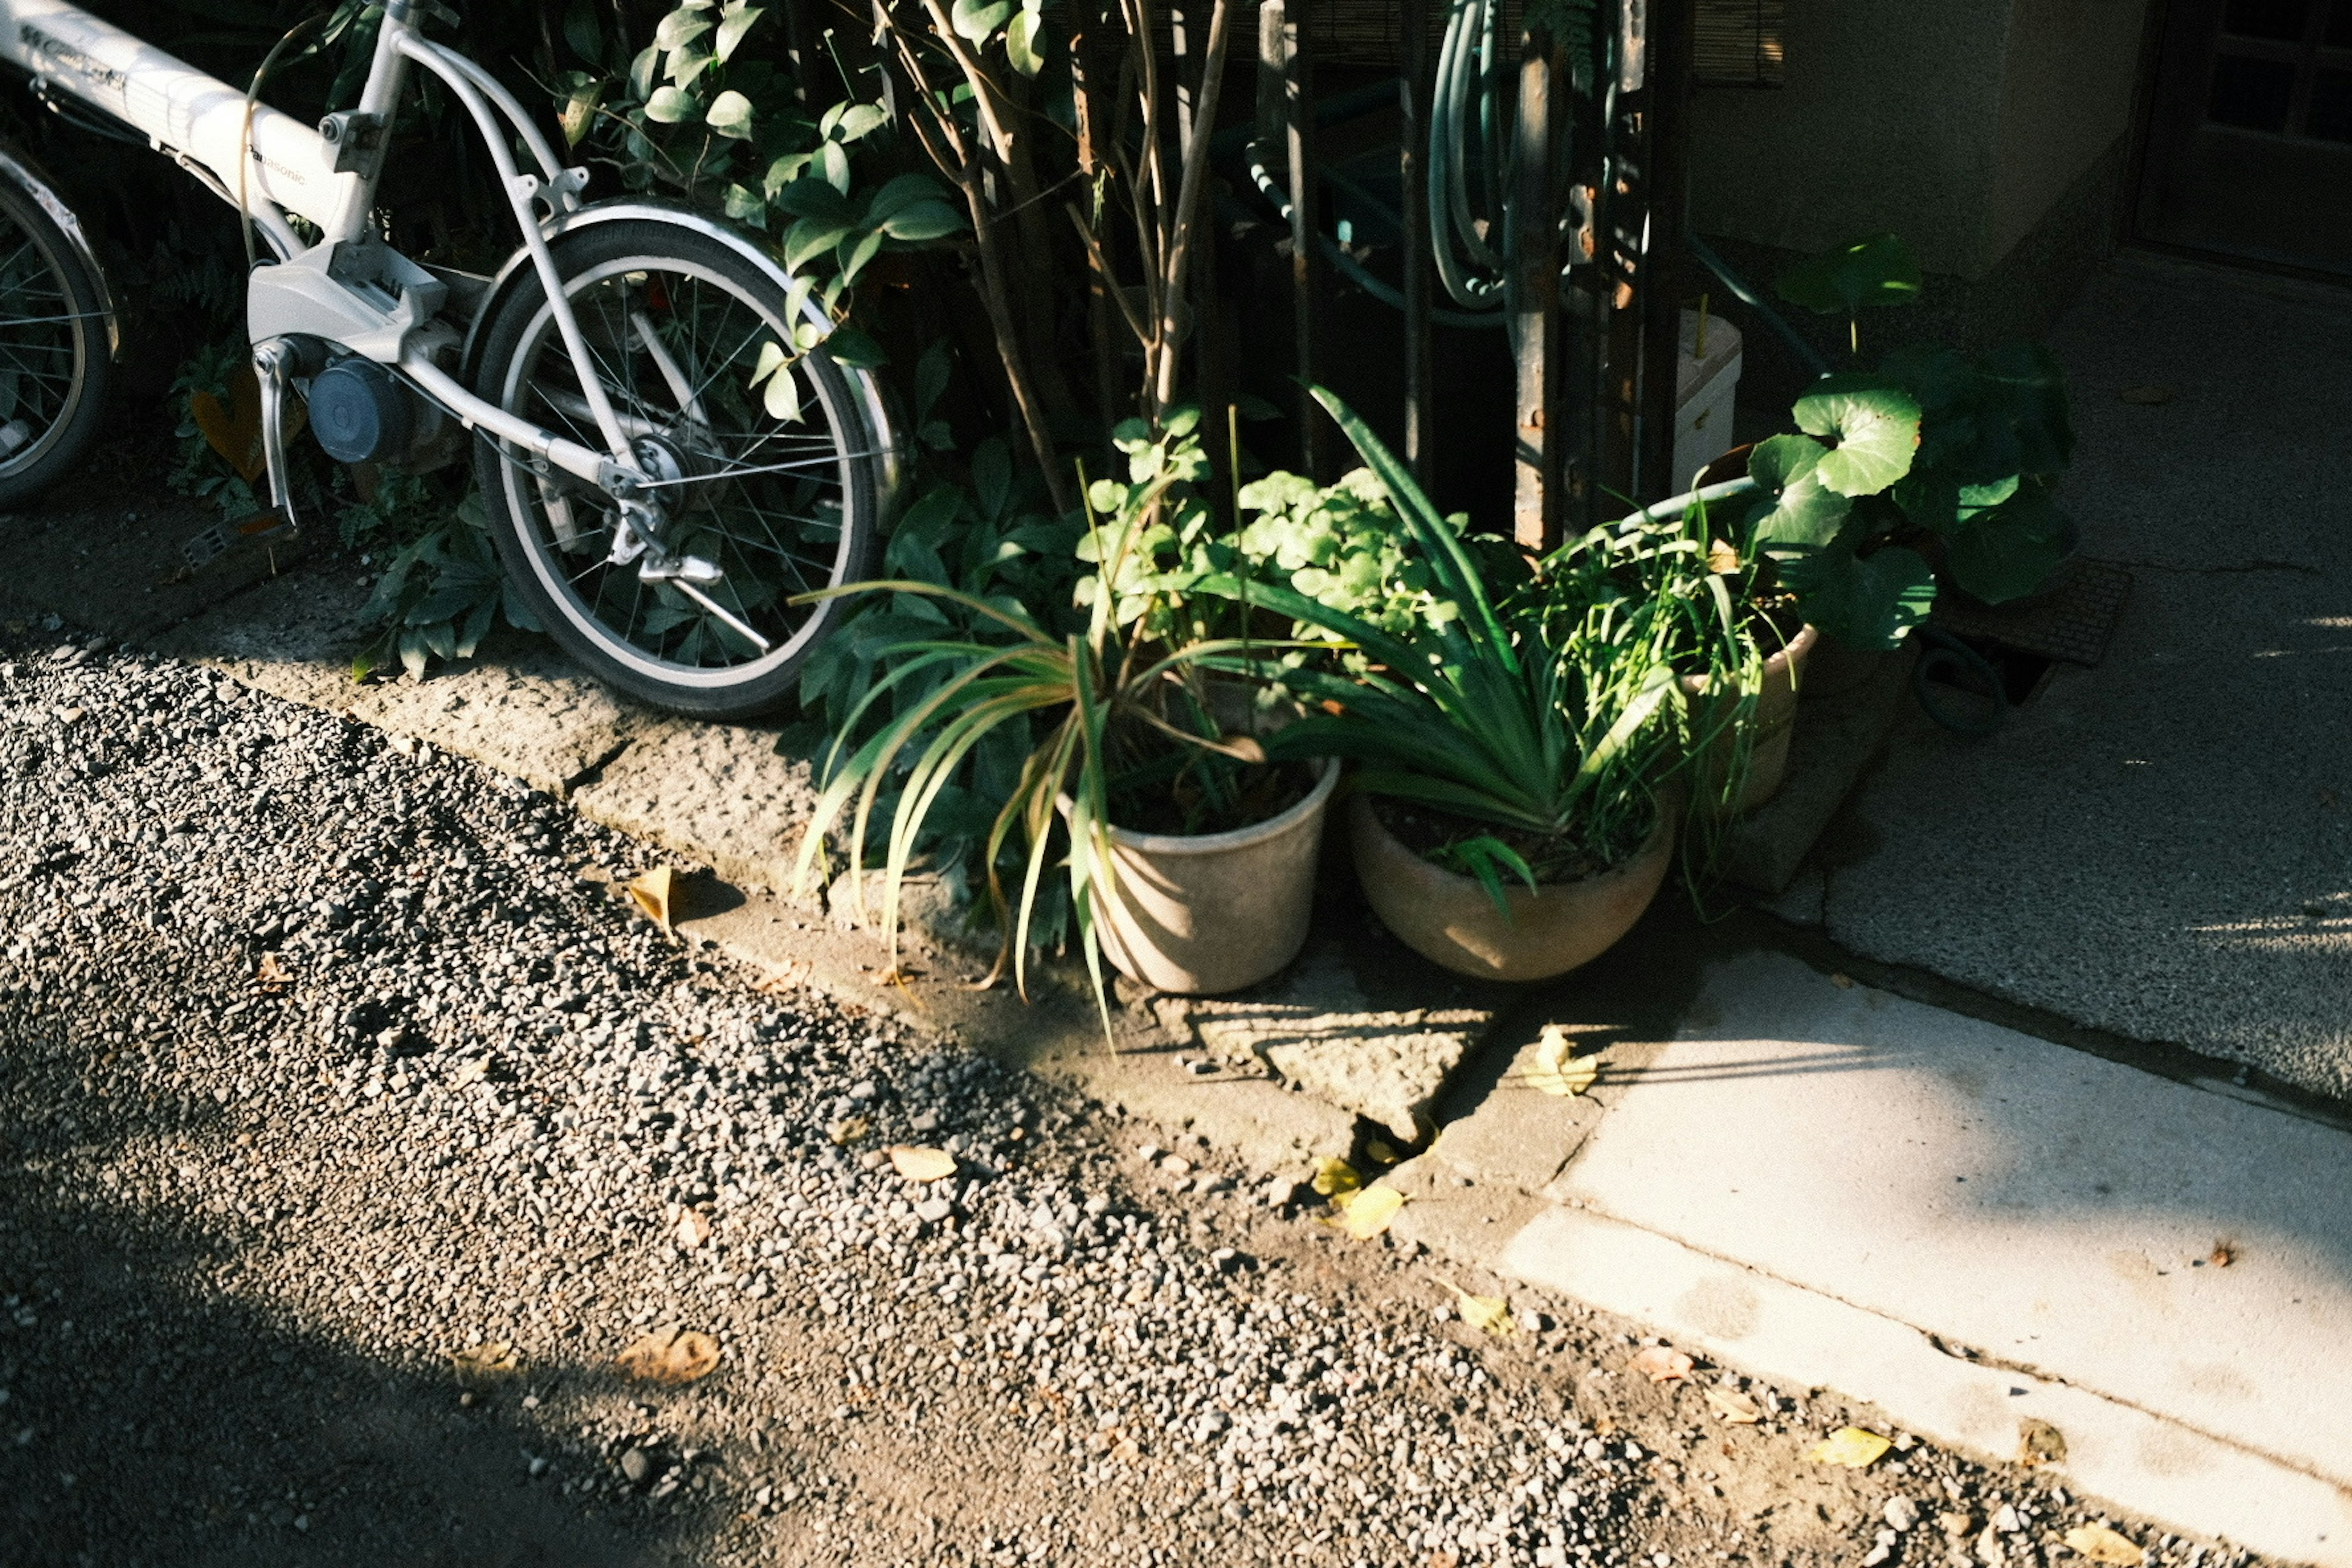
1191	853
1506	808
1932	465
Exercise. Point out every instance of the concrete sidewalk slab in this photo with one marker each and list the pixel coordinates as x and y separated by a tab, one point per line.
2162	847
1945	1210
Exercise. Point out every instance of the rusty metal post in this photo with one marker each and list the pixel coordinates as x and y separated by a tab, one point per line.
1534	260
1284	80
1413	93
1672	25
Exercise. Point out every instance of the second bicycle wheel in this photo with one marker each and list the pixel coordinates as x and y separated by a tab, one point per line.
769	475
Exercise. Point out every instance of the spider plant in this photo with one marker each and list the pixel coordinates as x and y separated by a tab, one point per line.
1540	715
1107	710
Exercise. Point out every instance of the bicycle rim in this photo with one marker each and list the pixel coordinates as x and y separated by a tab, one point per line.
44	338
757	479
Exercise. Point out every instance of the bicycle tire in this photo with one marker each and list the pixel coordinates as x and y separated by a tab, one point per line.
55	356
635	283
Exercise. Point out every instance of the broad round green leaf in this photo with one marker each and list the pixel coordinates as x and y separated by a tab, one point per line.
2007	551
1796	511
1868	602
1878	269
1875	424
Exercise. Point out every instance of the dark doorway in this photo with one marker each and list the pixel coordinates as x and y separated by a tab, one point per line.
2249	148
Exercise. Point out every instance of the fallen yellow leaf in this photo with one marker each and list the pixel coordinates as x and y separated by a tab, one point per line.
1660	1364
2039	1443
1363	1215
849	1130
1733	1407
1843	982
271	973
1850	1447
651	893
485	1363
1722	556
922	1165
670	1355
2100	1544
1333	1177
1557	1071
1491	1314
693	1229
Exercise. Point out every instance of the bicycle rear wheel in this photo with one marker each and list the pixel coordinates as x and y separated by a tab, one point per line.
777	487
55	355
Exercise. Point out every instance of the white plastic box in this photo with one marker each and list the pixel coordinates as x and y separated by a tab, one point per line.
1706	384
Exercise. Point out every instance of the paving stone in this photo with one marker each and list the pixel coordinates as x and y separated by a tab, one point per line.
717	793
1331	1027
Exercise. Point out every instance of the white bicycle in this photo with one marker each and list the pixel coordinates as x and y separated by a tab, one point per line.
652	512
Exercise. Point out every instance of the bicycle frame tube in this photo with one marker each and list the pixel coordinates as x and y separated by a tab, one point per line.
184	112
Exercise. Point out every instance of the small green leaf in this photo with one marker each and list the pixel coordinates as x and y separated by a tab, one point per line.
978	23
1021	37
772	359
924	220
669	105
1875	424
837	166
747	207
584	32
732	28
731	115
1877	270
858	121
854	257
641	73
931	372
680	28
783	398
811	238
853	348
814	199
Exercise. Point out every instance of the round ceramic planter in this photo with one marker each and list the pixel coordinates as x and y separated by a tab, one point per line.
1775	719
1449	920
1202	913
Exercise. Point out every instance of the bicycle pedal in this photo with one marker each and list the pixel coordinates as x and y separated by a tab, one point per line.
210	544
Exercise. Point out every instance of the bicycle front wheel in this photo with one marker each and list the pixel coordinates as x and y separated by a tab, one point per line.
769	475
55	353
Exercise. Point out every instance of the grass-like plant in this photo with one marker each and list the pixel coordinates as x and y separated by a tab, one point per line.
1546	715
1107	708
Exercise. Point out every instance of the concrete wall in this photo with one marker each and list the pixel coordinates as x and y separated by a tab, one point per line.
1955	123
2067	80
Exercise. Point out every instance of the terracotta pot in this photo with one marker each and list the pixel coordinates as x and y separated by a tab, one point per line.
1775	719
1202	913
1449	920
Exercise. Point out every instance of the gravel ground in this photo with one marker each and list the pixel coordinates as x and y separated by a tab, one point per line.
327	1058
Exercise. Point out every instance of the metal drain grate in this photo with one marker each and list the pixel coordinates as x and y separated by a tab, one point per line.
2072	620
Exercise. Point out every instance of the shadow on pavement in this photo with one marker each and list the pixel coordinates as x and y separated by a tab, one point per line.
159	1412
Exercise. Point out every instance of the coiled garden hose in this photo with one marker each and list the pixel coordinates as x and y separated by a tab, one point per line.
1477	277
1940	650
